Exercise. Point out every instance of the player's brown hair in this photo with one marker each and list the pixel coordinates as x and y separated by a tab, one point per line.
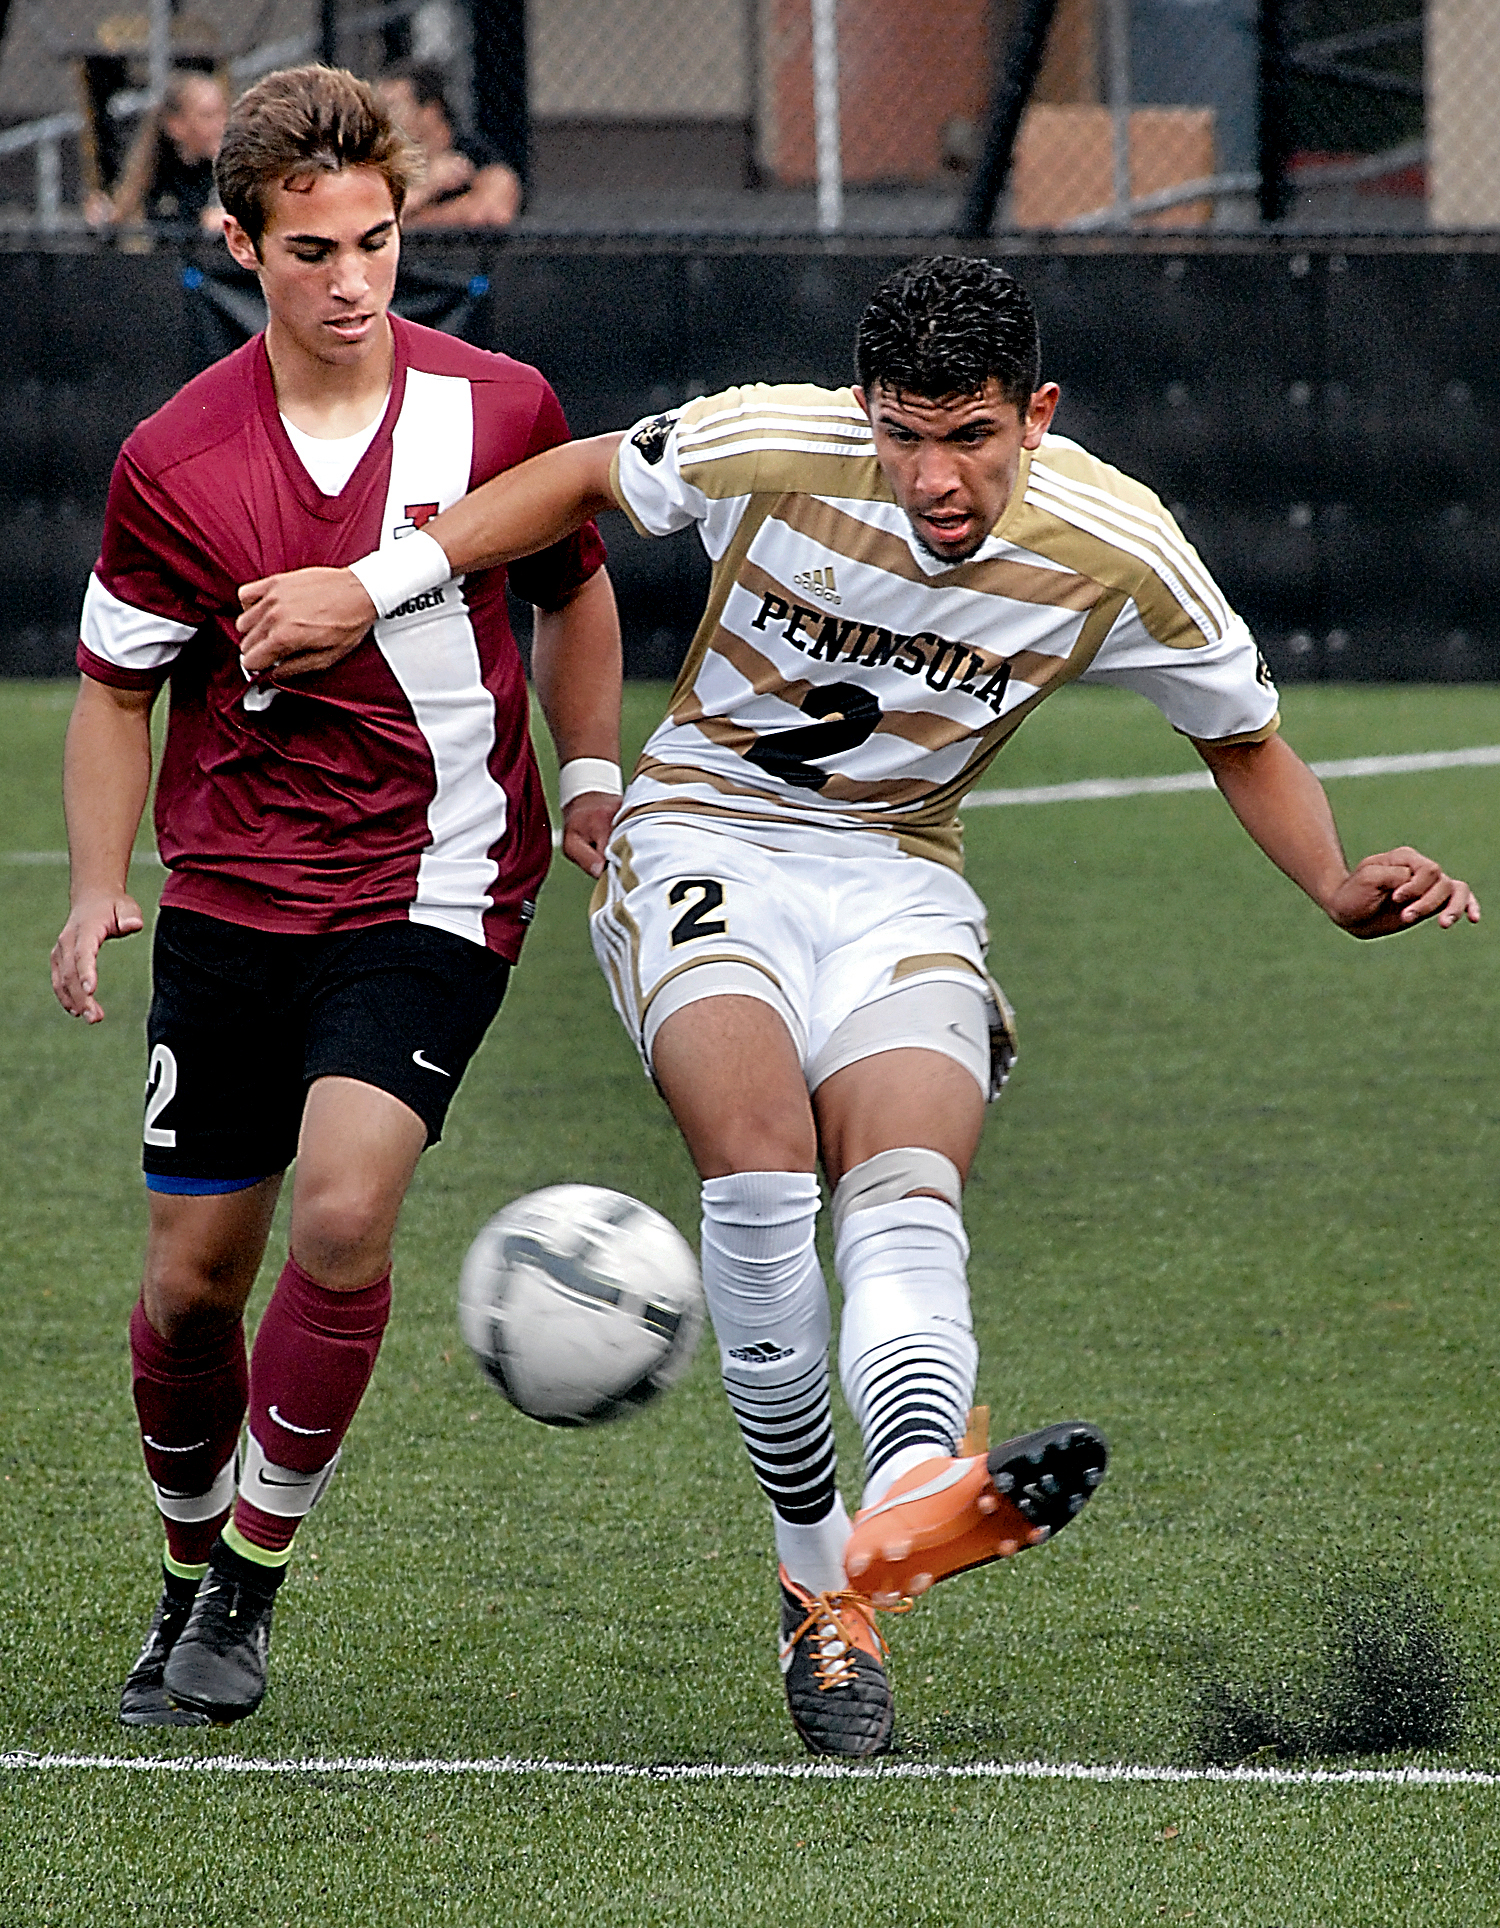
301	121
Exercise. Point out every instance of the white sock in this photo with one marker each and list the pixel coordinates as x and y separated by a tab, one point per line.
907	1355
881	1483
814	1555
770	1314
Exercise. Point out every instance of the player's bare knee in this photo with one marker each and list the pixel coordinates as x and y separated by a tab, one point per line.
187	1298
727	1066
330	1246
752	1144
193	1287
734	1129
341	1234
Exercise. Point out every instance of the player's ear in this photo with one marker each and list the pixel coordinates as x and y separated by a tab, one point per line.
1039	412
239	244
859	396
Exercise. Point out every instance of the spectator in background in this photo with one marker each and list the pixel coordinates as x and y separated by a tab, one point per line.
168	176
467	184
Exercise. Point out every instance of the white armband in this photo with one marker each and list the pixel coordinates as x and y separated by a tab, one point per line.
391	577
586	773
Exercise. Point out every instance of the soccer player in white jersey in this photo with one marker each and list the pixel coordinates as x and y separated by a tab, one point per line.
902	571
351	864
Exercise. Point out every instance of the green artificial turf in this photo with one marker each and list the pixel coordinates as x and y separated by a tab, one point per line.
1238	1206
363	1853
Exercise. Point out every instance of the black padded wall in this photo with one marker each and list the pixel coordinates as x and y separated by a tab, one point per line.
1323	421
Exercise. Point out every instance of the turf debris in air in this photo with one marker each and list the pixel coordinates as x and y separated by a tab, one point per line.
1373	1666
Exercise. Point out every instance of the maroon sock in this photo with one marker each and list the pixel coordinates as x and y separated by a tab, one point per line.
314	1353
190	1400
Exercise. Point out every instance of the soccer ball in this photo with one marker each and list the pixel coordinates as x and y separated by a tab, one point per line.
580	1303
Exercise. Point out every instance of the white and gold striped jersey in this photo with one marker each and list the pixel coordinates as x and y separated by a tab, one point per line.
844	679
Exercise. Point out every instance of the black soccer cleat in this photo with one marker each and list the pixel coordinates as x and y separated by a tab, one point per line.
832	1662
217	1668
143	1699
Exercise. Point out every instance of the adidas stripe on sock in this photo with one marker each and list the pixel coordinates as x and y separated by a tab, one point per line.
769	1306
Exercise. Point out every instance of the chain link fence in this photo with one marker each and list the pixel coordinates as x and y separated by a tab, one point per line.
782	116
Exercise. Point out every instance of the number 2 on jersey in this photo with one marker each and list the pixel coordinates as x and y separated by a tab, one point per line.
852	714
697	920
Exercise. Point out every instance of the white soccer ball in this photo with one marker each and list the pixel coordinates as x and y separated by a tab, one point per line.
580	1304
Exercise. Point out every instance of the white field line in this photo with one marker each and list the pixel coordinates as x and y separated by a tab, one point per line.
1096	789
1088	790
512	1765
146	858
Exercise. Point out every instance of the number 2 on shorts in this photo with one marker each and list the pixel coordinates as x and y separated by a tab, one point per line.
161	1089
697	920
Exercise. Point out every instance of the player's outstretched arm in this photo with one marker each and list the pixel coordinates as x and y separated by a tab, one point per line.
106	777
575	666
1285	809
307	619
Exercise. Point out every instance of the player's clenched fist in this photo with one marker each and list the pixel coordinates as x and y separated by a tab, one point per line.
587	822
301	621
1395	889
75	955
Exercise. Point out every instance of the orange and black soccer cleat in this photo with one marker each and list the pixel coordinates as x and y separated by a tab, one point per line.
833	1663
947	1515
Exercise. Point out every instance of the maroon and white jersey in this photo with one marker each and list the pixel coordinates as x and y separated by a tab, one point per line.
398	784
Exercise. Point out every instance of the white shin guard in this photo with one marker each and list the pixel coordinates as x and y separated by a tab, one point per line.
190	1509
892	1175
282	1490
907	1354
769	1307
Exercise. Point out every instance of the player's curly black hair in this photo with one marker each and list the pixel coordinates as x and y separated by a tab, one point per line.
944	326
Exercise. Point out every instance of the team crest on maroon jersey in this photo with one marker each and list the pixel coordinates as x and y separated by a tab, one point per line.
418	514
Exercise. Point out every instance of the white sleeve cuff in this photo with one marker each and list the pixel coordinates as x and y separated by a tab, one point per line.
586	773
408	568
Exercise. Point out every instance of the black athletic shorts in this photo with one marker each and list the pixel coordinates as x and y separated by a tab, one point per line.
242	1021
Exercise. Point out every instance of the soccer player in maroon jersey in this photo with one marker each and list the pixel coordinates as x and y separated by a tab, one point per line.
351	862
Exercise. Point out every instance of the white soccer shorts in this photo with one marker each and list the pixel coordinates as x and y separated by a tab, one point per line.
857	953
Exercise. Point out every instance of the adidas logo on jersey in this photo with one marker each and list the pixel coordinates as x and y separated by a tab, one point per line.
820	583
764	1354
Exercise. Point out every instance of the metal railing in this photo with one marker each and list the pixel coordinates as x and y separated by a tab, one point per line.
47	133
1305	174
46	136
1067	116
